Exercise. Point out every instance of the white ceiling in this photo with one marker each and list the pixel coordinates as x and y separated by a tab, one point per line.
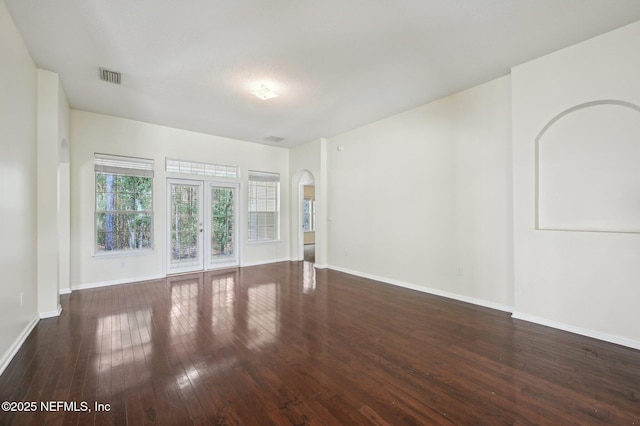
336	64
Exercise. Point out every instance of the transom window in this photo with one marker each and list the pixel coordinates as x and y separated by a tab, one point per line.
201	169
124	203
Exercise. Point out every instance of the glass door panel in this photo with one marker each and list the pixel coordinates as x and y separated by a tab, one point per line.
185	226
223	250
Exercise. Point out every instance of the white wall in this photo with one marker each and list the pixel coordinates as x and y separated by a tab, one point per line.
416	196
586	282
91	133
17	187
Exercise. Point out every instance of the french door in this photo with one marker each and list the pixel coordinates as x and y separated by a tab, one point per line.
222	225
202	225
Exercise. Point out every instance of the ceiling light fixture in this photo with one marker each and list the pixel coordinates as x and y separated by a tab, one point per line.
273	139
265	93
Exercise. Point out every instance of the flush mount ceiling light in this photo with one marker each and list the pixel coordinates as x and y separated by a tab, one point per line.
273	139
265	93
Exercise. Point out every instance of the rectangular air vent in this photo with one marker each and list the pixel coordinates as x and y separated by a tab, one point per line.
110	76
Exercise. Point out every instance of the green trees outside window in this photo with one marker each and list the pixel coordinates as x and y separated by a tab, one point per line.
124	212
185	222
222	222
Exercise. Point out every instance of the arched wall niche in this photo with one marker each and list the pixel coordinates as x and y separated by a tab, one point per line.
588	169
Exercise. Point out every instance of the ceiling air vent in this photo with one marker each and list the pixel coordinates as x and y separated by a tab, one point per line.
110	76
273	139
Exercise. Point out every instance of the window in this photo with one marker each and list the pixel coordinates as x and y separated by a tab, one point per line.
124	203
264	206
201	169
309	214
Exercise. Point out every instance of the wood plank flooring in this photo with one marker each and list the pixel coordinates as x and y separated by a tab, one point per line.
284	344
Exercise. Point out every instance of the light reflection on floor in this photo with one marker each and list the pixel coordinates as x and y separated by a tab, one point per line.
222	303
262	316
208	312
184	306
308	277
119	344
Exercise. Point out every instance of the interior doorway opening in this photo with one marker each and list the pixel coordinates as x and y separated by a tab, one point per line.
309	222
306	217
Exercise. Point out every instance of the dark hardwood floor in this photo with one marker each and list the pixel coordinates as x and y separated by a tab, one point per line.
283	344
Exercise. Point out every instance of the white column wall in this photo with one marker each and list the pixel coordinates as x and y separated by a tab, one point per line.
322	207
48	161
63	188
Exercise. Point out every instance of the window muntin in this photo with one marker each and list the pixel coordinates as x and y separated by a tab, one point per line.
201	169
264	206
123	204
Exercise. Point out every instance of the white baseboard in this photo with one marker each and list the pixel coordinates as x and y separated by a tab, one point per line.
117	282
17	344
265	262
65	291
429	290
51	314
618	340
